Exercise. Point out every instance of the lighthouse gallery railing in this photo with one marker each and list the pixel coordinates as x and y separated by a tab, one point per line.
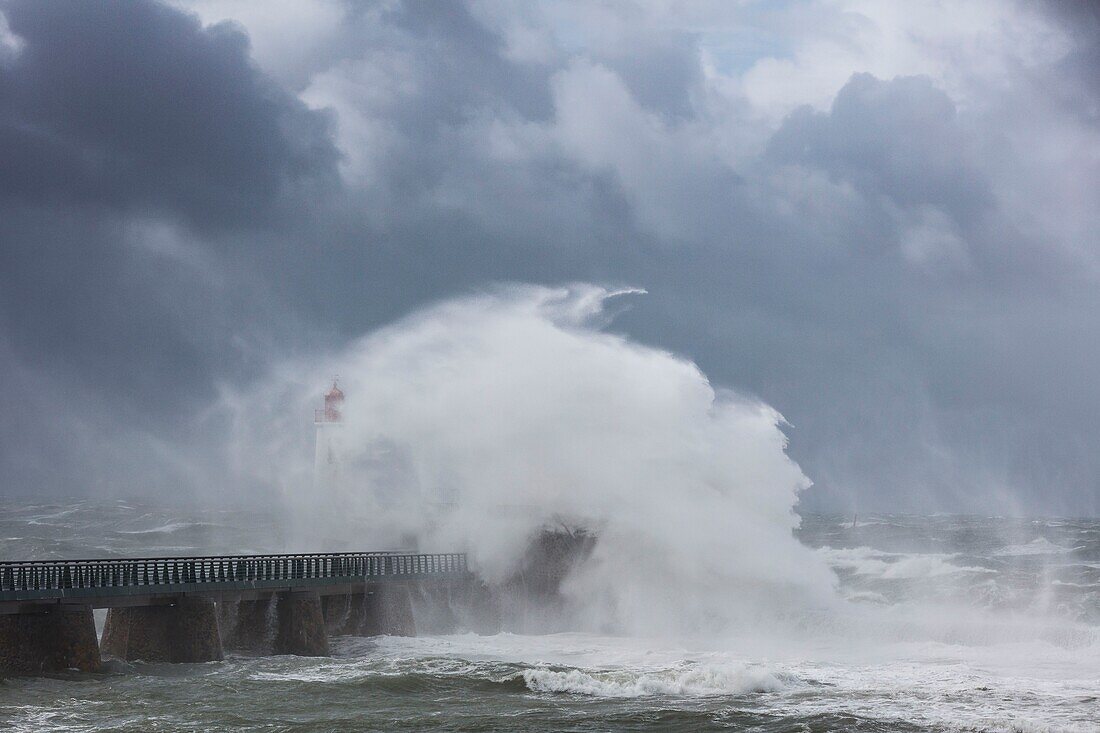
36	579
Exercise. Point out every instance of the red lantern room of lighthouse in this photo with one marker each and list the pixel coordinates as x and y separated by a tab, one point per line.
329	423
334	406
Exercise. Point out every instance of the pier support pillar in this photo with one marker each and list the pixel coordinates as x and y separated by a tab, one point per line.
248	626
60	639
186	631
300	625
387	611
395	610
383	609
433	608
342	612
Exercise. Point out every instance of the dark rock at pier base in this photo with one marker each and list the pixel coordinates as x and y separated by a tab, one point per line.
530	601
301	625
63	638
186	631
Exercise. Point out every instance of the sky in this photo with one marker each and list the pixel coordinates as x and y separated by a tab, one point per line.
880	218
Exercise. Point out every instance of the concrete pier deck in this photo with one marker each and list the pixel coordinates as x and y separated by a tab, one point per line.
172	609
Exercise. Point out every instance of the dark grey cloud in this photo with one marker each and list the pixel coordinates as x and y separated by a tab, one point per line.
114	116
136	105
1077	81
898	138
663	74
884	269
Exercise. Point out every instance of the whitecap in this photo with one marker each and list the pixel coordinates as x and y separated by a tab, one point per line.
866	596
163	529
691	682
1074	585
1041	546
895	566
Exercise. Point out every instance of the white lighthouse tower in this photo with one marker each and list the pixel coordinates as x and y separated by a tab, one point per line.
329	424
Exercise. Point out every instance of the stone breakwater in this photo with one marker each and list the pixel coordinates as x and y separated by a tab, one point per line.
191	628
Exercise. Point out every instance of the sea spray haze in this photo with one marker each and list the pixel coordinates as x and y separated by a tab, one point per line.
512	410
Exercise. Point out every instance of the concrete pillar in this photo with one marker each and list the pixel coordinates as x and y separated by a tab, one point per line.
341	612
60	639
248	626
301	625
433	608
387	610
376	610
186	631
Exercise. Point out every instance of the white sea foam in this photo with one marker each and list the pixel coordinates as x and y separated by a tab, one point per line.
933	684
865	596
1074	585
57	515
1040	546
1013	724
691	682
168	528
863	523
895	566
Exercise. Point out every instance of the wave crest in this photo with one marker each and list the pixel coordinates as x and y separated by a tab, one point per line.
695	682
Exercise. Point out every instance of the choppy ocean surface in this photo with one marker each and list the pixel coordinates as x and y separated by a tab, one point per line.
948	623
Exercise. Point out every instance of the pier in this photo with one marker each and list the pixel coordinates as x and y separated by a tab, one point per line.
189	609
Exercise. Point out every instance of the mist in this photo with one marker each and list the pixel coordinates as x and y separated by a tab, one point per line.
480	421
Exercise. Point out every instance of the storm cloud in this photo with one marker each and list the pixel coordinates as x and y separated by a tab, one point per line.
879	218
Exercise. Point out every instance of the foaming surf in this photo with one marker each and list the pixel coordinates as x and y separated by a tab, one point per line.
1038	546
682	680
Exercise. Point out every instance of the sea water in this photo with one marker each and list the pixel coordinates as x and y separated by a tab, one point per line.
945	623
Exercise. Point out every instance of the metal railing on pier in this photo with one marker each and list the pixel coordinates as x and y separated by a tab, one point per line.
18	579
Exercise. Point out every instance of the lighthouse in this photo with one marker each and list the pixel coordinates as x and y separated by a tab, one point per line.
329	424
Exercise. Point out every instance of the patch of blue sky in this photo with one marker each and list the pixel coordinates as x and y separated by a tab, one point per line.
733	52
